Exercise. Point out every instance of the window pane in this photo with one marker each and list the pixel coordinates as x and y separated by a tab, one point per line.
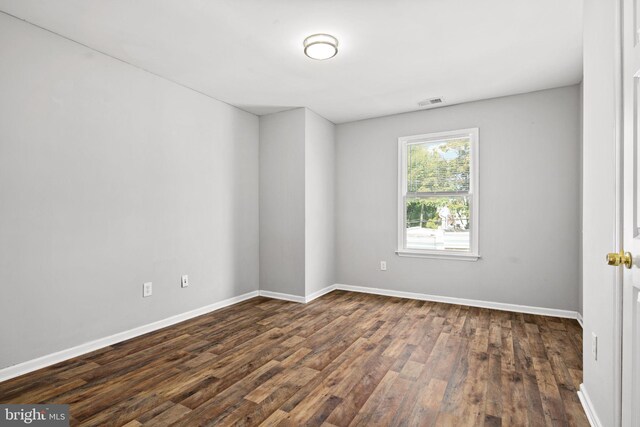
438	223
438	166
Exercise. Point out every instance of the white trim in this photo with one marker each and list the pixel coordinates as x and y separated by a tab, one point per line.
588	407
60	356
554	312
296	298
426	297
464	256
319	293
285	297
474	194
579	319
620	383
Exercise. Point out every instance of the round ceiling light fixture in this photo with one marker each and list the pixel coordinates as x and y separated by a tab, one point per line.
320	46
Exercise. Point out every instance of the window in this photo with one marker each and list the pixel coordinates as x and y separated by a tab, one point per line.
438	195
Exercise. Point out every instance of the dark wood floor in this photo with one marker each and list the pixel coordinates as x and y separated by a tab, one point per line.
343	359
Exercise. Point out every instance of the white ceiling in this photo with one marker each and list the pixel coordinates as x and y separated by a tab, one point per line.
392	55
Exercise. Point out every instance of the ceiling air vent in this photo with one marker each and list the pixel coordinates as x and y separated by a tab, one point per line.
431	101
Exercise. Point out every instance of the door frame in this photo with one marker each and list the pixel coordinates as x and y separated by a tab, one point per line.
618	229
619	209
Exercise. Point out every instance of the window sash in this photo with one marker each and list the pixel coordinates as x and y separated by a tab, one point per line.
441	251
418	195
473	193
437	174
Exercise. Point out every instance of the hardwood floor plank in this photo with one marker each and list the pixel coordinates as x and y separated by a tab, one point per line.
366	414
296	375
154	412
170	415
551	399
428	407
373	371
124	411
493	398
274	419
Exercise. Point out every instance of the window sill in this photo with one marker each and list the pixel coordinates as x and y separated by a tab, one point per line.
433	255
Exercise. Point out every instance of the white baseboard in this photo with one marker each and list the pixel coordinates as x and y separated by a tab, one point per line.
426	297
285	297
579	319
60	356
319	293
297	298
588	407
463	301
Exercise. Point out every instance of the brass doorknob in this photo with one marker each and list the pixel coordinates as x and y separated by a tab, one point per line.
622	257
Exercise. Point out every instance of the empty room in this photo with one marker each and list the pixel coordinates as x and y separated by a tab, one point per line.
319	213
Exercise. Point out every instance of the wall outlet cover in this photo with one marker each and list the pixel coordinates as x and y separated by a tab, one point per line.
147	289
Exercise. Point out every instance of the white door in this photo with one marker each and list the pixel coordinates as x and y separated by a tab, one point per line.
631	219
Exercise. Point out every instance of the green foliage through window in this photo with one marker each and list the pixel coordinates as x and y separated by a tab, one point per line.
439	166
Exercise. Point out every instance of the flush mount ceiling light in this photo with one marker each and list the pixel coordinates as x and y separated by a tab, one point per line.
320	46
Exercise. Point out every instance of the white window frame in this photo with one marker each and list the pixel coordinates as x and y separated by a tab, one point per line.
472	254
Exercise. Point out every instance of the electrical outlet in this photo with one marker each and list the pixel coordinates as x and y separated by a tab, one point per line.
184	281
147	289
594	346
383	265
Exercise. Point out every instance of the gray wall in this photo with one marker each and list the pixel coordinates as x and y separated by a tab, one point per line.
581	198
297	180
529	202
319	202
282	202
111	177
